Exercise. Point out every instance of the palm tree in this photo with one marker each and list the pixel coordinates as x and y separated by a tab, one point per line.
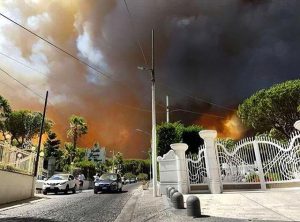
5	112
78	127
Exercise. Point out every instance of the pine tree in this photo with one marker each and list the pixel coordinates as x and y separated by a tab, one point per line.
52	145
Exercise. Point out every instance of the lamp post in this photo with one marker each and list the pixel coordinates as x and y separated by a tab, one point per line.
113	161
153	141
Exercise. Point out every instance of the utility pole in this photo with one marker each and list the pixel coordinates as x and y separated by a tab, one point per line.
167	109
153	141
154	155
40	139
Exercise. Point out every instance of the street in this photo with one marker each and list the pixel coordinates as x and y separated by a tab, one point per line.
85	206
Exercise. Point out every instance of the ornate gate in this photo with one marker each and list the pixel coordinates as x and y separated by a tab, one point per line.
260	160
196	167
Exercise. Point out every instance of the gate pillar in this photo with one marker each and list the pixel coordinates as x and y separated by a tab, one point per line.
211	160
179	149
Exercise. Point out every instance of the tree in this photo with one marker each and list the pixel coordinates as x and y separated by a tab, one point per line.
51	145
25	124
5	111
78	127
276	108
168	133
190	136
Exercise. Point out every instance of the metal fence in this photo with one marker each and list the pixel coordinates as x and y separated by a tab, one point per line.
196	167
260	159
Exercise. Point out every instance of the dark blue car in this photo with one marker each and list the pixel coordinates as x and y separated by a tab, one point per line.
110	182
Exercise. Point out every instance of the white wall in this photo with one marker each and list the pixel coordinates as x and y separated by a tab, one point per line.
15	186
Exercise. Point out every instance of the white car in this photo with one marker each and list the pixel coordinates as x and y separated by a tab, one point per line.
59	182
40	182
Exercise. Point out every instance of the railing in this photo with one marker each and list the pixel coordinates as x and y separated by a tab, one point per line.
260	160
196	167
15	159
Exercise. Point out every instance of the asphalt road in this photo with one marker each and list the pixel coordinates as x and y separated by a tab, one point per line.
85	206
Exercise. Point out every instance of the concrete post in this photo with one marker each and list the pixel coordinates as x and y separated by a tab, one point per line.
259	165
179	149
212	166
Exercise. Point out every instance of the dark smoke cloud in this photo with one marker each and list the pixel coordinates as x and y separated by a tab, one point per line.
220	51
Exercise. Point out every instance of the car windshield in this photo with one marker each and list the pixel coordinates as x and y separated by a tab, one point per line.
108	177
59	177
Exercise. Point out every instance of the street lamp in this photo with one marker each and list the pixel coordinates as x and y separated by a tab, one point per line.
153	141
113	162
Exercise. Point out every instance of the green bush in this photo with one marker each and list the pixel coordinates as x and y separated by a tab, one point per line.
252	177
142	176
129	176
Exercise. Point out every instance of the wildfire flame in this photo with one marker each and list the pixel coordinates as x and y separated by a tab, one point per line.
230	127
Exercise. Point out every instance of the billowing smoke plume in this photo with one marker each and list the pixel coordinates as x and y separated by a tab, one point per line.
218	51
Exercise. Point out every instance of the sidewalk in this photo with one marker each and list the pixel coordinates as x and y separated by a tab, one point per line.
274	205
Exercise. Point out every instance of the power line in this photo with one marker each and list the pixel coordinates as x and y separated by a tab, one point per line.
25	86
29	67
133	28
197	113
59	48
195	98
142	52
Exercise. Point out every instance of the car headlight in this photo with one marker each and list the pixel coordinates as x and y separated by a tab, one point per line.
62	183
97	184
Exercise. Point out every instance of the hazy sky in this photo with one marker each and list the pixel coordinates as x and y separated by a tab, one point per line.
206	50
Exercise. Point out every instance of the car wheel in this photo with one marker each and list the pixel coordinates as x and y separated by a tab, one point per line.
74	189
67	189
45	192
95	191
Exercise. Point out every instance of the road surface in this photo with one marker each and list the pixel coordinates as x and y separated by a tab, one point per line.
85	206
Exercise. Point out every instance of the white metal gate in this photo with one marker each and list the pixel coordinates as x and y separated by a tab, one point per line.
197	172
260	160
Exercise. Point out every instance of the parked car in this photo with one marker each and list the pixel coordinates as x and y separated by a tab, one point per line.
59	182
108	182
40	182
132	180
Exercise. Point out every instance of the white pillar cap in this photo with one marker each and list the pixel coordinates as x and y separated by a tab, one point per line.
179	146
205	134
297	125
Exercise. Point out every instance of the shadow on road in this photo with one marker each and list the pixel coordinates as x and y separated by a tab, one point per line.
107	192
26	219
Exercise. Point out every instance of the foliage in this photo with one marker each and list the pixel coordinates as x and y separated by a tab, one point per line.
142	176
190	136
228	143
5	111
51	145
273	108
273	177
78	127
168	133
118	161
135	166
25	124
88	168
129	176
252	177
